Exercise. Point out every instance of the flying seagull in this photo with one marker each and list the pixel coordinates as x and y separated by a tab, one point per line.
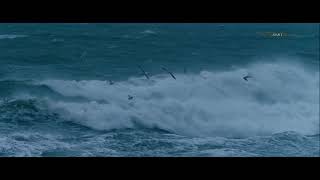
143	72
130	97
111	82
165	69
246	77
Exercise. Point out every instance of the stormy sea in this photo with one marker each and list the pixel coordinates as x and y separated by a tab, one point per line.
159	89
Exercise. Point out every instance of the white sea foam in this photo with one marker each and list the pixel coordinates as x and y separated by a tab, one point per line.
280	97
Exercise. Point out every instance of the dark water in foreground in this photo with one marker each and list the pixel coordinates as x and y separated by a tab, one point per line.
56	100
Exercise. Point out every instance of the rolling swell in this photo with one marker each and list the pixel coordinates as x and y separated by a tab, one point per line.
280	97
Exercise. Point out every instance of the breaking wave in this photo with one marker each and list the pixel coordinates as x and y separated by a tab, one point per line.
280	97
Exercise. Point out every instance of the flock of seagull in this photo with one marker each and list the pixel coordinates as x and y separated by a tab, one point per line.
169	72
148	77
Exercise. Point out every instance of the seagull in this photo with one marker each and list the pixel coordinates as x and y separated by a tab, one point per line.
165	69
130	97
143	72
246	77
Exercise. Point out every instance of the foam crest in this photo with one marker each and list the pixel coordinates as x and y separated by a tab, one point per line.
279	97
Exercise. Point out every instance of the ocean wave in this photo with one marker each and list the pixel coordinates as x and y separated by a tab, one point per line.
148	32
279	97
148	143
11	36
29	144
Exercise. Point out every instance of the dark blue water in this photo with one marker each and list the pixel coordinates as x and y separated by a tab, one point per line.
56	99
